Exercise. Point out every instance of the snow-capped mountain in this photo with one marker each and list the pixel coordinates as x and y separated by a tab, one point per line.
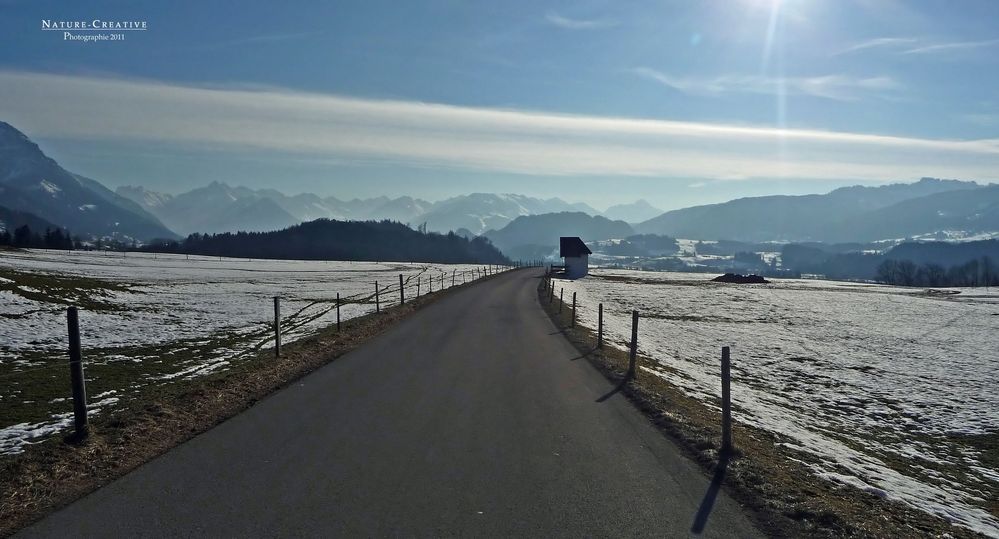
144	197
219	207
216	207
479	212
32	182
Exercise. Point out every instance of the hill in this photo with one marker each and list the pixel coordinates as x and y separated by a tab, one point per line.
966	210
34	183
10	220
828	217
325	239
944	253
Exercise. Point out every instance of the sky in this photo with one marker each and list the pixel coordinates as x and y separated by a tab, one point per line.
679	103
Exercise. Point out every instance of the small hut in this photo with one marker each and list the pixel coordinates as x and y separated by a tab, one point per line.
575	255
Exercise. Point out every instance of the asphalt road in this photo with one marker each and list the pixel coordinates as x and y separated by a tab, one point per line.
470	418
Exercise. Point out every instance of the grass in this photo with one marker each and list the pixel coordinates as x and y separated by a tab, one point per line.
156	416
773	481
84	292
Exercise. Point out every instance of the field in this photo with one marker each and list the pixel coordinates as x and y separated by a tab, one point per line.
890	390
149	319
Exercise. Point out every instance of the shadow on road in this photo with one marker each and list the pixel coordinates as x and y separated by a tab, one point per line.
708	503
620	385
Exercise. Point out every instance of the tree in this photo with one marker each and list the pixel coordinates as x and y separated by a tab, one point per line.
23	237
933	275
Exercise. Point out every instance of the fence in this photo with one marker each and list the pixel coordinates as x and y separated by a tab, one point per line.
76	363
548	287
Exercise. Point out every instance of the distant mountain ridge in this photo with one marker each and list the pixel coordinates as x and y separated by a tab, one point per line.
636	212
479	212
845	214
219	207
34	183
540	233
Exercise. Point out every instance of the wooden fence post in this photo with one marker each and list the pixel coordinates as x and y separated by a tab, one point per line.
600	325
561	299
573	310
452	276
402	292
378	306
726	380
76	375
338	312
277	326
634	345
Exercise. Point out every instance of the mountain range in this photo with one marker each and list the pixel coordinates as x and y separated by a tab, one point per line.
34	186
219	207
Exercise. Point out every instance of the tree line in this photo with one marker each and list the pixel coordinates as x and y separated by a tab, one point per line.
326	239
25	238
909	264
978	272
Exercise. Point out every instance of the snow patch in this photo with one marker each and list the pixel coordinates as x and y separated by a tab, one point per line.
52	188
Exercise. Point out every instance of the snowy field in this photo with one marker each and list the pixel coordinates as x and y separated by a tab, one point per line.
162	317
887	389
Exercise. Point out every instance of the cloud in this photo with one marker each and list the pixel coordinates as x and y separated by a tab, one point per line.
576	24
838	87
881	42
410	133
910	45
952	47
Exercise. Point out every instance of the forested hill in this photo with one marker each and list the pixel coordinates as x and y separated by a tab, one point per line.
326	239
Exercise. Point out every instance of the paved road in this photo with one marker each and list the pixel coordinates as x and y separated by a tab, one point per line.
470	418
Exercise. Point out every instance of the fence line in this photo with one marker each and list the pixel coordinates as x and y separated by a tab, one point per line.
548	287
76	366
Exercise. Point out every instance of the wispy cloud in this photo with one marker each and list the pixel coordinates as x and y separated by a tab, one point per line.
881	42
911	45
838	87
952	47
576	24
410	133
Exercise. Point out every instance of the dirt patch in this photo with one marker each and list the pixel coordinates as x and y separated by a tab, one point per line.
772	481
53	473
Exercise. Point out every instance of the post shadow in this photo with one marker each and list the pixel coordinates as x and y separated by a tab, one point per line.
617	389
708	502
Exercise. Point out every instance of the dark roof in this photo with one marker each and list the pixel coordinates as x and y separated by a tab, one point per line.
572	246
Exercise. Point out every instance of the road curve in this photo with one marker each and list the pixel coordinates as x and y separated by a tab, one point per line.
469	418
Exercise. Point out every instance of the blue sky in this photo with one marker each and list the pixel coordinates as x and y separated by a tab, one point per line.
675	102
